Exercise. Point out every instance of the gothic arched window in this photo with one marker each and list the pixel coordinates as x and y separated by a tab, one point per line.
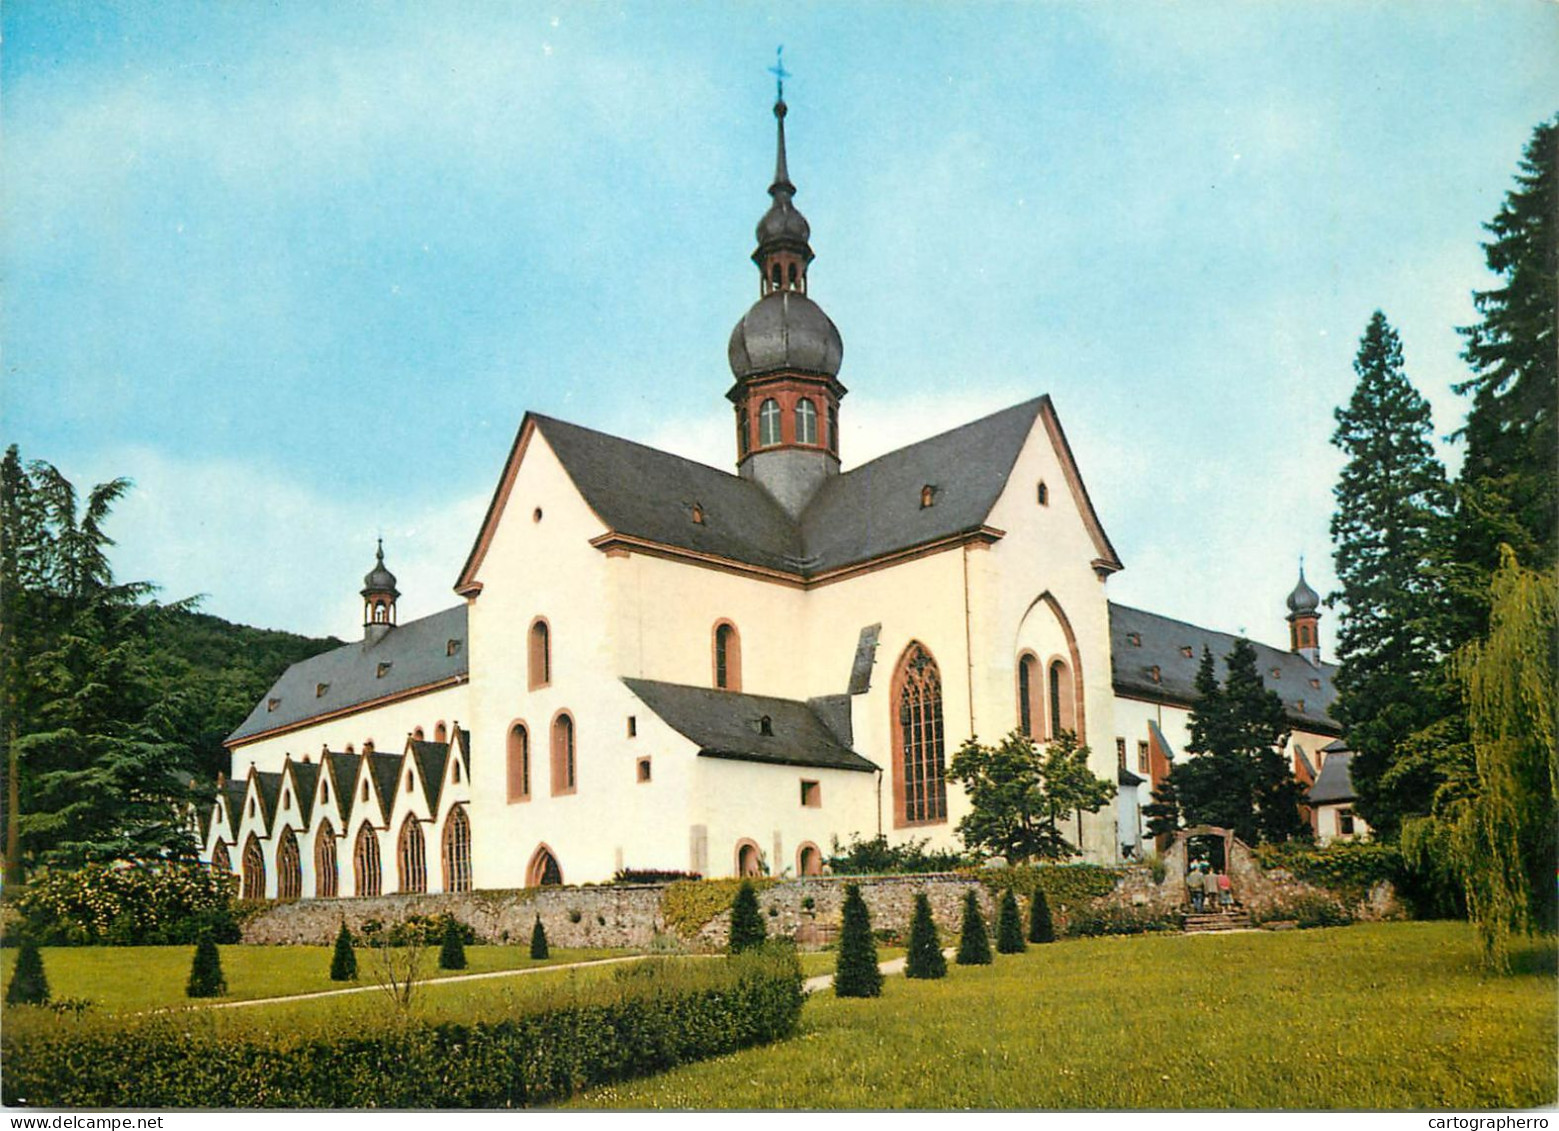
920	793
544	870
564	778
806	422
457	851
411	857
728	657
1063	714
254	870
1028	695
519	763
366	868
768	423
289	869
219	860
326	880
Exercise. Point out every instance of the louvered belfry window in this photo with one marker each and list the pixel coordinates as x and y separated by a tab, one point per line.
922	792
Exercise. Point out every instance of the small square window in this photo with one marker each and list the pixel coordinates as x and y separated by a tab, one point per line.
383	670
272	704
1187	651
1134	639
1142	757
633	726
644	769
1345	822
811	795
451	647
320	689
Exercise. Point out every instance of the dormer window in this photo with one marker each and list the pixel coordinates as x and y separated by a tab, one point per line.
766	726
272	704
927	496
451	647
1187	651
320	689
382	670
1154	674
1299	705
1134	639
1315	683
1277	673
698	514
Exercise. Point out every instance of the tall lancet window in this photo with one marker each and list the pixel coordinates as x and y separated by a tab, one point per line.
920	793
806	422
768	423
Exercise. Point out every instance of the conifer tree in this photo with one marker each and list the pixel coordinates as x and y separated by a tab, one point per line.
1041	929
28	985
1508	490
452	953
538	941
343	963
974	944
747	929
205	975
1387	532
925	958
856	974
1009	926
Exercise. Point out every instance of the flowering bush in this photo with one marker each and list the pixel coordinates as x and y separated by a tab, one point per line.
130	905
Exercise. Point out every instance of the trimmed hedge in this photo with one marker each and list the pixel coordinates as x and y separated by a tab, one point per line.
1094	920
675	1012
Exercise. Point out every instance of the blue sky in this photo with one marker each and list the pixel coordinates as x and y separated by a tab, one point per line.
299	269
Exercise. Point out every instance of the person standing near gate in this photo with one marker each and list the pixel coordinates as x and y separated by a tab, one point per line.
1196	884
1225	891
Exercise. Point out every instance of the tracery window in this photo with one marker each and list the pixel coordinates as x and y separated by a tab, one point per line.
920	793
254	870
326	877
544	870
367	870
457	851
806	422
768	423
219	859
411	857
289	869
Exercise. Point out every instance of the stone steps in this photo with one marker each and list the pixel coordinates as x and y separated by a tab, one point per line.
1217	921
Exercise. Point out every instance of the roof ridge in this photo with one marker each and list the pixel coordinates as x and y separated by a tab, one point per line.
543	418
1012	408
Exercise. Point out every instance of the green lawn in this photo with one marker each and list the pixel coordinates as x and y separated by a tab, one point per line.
818	962
1373	1016
130	979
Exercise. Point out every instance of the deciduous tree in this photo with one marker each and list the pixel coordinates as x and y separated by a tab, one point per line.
1020	796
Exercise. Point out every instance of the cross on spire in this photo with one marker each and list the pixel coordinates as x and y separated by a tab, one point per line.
780	73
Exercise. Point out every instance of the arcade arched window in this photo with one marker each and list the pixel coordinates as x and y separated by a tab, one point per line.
749	860
544	870
289	869
219	860
457	851
806	422
367	871
519	763
440	733
540	657
254	870
411	857
920	793
768	423
1063	698
564	779
1028	695
728	657
326	876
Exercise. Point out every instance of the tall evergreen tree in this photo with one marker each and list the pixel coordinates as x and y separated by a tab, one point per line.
974	942
1508	490
856	974
1387	531
452	948
205	975
343	962
1041	928
1009	926
925	958
28	985
538	942
747	929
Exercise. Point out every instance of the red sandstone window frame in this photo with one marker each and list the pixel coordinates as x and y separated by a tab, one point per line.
538	653
726	655
1061	692
411	857
544	869
811	794
253	886
749	859
327	874
919	744
367	865
455	850
1030	700
770	423
289	867
517	758
809	859
565	758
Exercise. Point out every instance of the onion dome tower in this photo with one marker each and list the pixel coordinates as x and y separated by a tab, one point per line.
379	594
785	355
1304	617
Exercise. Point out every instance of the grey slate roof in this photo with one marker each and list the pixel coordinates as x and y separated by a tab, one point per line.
1125	777
306	776
269	789
863	514
1335	783
726	724
386	771
418	655
1139	641
430	759
234	792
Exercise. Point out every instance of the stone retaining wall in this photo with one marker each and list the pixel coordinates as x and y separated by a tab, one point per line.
807	910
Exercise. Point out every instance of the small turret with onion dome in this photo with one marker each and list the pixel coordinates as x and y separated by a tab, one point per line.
379	596
785	355
1304	617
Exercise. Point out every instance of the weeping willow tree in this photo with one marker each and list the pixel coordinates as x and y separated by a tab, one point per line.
1501	834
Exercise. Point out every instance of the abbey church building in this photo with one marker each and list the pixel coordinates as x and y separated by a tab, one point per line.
655	664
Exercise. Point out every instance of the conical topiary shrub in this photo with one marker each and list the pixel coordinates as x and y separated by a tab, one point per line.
925	949
1041	929
343	963
1009	927
856	974
974	945
747	929
28	984
205	974
538	941
452	954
